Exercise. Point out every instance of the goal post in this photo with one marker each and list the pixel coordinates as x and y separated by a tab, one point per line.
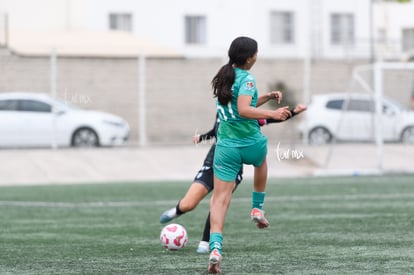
379	68
371	79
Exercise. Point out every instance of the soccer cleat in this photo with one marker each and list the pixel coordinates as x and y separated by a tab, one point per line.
203	247
258	217
214	262
168	215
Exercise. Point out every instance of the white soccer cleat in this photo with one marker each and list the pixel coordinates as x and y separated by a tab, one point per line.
168	215
214	261
258	217
203	247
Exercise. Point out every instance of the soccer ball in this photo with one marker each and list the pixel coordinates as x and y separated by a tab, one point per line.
173	236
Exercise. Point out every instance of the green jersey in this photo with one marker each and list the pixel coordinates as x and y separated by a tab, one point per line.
234	130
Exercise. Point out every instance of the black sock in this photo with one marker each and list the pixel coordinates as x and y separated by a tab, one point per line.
206	233
177	209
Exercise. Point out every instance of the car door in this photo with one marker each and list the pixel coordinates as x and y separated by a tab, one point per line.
358	120
389	121
37	121
10	123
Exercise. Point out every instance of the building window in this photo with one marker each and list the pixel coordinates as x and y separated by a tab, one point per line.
382	35
120	21
195	30
342	29
408	39
282	27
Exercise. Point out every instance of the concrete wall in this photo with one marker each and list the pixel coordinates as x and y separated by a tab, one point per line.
179	97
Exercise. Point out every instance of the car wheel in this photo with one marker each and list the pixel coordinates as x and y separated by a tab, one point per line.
319	135
407	136
85	137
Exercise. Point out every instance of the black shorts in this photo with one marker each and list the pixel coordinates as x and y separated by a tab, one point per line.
205	176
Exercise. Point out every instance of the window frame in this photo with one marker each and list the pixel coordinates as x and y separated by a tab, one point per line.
195	29
342	29
121	21
282	27
407	37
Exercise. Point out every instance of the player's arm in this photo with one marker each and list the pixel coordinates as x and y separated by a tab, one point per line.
247	111
206	136
276	95
209	135
271	120
244	101
297	110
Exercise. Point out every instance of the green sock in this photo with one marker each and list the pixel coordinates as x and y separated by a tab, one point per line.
258	199
216	241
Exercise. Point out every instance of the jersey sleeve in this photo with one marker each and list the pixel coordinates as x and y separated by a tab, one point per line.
248	86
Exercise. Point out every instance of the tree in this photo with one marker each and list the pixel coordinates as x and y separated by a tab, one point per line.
399	1
288	95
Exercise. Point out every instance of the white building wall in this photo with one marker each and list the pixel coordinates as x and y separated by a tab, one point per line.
393	17
39	15
361	11
390	19
163	20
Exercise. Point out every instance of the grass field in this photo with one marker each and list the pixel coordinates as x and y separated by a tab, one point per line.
355	225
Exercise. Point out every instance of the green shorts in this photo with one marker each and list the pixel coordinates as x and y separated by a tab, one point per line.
229	160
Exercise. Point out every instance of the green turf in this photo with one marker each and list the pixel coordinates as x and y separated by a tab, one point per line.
355	225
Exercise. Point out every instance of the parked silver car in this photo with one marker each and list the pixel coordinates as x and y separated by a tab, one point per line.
351	117
38	120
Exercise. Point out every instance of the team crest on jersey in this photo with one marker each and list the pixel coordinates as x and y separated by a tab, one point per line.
249	85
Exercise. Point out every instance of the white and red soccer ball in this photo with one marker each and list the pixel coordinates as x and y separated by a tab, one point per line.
173	236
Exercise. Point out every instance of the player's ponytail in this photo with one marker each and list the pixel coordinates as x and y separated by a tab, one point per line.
240	50
222	83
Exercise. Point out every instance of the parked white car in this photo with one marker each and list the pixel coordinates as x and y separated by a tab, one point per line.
38	120
351	117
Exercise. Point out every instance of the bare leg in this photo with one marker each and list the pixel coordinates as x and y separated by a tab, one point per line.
192	198
206	232
219	204
260	177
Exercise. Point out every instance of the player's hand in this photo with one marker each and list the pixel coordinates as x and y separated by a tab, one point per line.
282	113
196	139
277	95
300	108
261	121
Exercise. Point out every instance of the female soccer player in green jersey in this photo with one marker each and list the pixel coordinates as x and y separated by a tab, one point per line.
239	140
203	182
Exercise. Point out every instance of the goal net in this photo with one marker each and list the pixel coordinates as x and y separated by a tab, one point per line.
375	118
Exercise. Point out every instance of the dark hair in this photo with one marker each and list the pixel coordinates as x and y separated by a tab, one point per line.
240	50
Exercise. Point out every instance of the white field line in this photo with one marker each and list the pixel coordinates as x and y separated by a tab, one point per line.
327	198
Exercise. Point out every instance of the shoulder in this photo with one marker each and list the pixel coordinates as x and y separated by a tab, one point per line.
248	83
245	76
